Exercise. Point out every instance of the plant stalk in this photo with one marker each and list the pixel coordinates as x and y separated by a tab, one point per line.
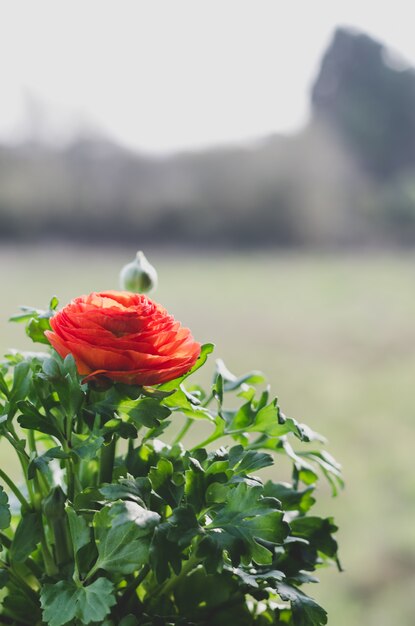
183	431
107	461
14	489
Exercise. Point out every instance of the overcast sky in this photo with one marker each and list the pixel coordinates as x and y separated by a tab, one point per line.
173	74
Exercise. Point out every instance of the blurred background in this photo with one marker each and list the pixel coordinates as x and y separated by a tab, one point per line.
263	156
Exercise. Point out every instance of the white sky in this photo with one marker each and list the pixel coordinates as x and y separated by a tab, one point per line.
173	74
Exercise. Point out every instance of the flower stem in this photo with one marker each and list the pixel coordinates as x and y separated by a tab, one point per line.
210	439
14	488
183	431
22	584
50	566
130	589
107	461
190	564
208	400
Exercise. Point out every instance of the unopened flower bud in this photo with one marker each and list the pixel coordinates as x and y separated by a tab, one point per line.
54	504
138	276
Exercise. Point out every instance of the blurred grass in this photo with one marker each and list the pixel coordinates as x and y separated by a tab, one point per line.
336	336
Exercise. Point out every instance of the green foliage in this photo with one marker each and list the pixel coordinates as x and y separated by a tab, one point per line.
36	321
153	533
123	532
65	601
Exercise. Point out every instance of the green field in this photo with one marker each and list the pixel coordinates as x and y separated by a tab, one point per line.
336	337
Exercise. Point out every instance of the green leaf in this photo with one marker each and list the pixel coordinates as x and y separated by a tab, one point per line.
51	368
41	462
304	471
28	534
163	482
65	601
53	304
79	529
123	534
184	402
251	578
164	553
21	604
232	382
183	526
21	385
329	467
32	418
271	421
35	329
248	517
4	578
129	620
211	600
145	412
205	350
318	532
37	321
120	427
5	515
135	489
305	610
86	447
4	389
290	498
244	462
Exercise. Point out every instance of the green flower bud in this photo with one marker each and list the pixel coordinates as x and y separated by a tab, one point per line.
54	504
138	276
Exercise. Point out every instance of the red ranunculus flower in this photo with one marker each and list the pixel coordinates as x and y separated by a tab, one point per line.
123	336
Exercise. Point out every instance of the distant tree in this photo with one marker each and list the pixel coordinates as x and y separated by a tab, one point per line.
369	100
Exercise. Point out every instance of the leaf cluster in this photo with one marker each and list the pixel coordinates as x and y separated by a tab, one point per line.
116	522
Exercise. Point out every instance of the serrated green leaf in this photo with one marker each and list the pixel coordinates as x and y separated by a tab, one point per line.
28	534
290	498
123	534
162	478
26	313
86	447
119	427
135	489
216	492
164	553
269	577
32	418
318	532
187	404
232	382
4	389
205	350
212	600
79	529
35	329
183	526
51	368
4	578
247	517
21	385
41	462
244	462
305	610
303	470
23	605
145	412
5	515
65	601
328	465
